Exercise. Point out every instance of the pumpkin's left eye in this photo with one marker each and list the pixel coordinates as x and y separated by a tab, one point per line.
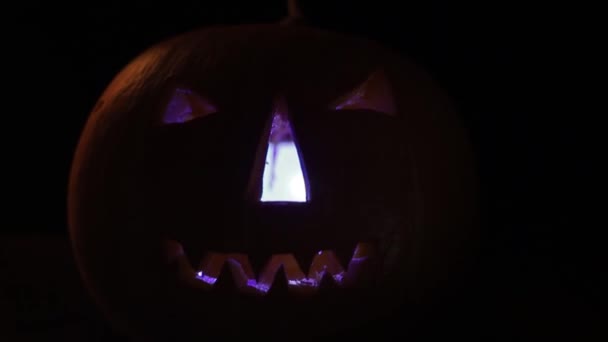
373	94
185	105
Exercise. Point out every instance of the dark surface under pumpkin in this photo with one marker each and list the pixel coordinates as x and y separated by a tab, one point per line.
402	183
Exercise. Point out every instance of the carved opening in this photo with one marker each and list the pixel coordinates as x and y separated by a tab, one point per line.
185	105
283	175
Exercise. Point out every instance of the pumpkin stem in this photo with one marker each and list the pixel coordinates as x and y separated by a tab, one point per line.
294	13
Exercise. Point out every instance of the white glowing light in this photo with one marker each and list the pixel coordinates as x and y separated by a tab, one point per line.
283	179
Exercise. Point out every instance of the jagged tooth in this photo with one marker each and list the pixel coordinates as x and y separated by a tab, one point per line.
304	259
327	283
193	252
279	286
238	273
258	261
225	282
359	272
179	264
344	254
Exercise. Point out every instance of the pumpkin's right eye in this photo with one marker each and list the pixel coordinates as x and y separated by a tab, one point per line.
373	94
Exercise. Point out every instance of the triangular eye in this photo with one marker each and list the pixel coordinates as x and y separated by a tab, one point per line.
185	105
373	94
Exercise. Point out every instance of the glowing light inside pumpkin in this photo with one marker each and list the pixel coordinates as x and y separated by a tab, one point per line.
283	177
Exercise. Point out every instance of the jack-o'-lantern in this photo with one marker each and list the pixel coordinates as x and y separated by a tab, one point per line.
267	179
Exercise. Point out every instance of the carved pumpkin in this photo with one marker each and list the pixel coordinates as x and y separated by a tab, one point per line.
267	179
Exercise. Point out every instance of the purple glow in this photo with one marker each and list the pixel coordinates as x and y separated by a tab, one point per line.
352	100
186	105
205	278
283	178
373	94
324	262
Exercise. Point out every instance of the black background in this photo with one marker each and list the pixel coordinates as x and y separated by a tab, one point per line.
537	272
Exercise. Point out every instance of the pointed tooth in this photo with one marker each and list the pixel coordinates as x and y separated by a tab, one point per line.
225	282
304	259
258	262
180	265
238	273
359	272
279	286
194	253
327	283
344	254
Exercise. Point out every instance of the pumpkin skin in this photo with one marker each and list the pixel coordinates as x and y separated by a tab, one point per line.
402	183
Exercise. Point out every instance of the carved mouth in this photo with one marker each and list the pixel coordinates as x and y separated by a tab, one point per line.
280	270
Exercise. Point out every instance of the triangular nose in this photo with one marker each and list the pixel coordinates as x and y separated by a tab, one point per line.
283	176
